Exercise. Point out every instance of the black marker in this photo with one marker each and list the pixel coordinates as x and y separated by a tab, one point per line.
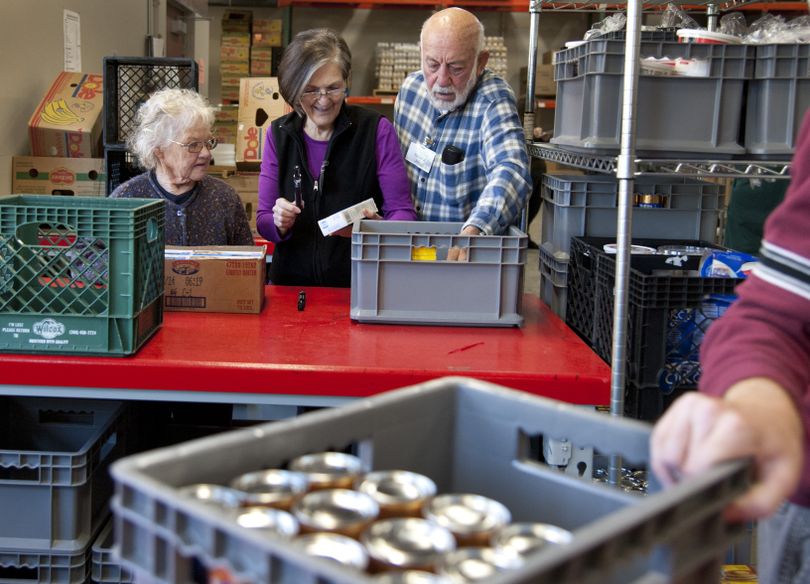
302	300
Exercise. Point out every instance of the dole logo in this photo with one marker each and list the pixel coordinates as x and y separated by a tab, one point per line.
62	176
185	267
48	328
251	151
90	86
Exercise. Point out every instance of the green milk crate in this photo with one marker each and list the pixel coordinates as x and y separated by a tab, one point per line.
80	275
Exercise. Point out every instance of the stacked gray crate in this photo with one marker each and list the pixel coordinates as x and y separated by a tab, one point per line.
778	97
677	116
55	487
587	206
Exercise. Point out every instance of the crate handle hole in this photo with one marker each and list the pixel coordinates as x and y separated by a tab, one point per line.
19	474
21	574
82	418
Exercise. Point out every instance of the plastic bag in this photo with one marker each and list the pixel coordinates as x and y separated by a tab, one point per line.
772	29
733	23
675	17
609	24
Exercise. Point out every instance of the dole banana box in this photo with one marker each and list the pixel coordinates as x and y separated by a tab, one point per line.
47	175
214	278
67	122
259	104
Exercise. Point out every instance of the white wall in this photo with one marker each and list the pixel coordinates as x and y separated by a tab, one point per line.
32	54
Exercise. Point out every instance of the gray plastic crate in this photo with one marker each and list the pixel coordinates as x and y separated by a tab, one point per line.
778	97
586	205
468	436
683	116
54	484
390	286
554	279
44	567
105	567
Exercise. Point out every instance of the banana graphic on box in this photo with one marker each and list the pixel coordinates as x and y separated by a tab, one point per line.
58	113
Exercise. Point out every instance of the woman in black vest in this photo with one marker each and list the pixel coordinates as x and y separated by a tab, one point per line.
332	155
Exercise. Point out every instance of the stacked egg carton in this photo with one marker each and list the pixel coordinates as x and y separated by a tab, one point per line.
395	61
498	54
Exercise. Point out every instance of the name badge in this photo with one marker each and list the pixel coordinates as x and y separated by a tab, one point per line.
421	156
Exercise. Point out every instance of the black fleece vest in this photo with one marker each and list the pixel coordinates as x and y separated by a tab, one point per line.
348	176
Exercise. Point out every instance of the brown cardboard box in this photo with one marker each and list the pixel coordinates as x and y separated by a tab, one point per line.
235	39
234	54
267	25
544	83
237	68
267	39
259	104
261	53
68	120
237	20
215	279
261	68
48	175
246	185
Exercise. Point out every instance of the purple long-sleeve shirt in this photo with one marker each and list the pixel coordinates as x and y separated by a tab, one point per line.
391	173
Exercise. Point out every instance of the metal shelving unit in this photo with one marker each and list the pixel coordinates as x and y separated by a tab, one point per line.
626	166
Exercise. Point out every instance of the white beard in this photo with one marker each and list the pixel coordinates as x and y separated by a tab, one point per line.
461	98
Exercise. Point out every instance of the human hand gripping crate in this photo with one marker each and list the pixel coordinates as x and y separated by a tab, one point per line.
468	437
79	275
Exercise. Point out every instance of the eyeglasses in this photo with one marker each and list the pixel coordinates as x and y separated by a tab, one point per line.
197	146
315	94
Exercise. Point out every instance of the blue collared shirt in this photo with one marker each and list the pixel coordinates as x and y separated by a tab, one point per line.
490	186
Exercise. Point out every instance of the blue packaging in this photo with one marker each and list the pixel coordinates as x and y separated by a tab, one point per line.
715	263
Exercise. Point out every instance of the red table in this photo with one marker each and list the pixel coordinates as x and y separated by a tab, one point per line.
318	352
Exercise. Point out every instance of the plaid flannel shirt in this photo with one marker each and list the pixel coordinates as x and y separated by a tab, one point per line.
490	186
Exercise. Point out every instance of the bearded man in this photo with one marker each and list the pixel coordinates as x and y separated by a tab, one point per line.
460	132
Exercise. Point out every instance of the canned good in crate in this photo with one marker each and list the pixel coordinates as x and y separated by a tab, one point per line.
214	495
398	492
527	538
336	510
271	488
647	201
328	470
410	543
333	546
411	577
473	564
472	519
268	520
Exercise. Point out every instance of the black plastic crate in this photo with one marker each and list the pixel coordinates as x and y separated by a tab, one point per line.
669	310
650	402
129	81
580	299
120	165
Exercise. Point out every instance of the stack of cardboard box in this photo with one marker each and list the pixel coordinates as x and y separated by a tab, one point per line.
266	40
65	132
234	52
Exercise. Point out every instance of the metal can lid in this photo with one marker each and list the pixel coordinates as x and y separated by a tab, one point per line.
467	513
214	495
410	577
527	538
266	487
323	467
407	542
472	564
334	509
391	487
267	519
333	546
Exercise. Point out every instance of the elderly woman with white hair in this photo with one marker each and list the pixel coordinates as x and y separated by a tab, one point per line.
173	142
325	156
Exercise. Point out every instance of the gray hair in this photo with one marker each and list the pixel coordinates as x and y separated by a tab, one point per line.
479	41
164	117
307	52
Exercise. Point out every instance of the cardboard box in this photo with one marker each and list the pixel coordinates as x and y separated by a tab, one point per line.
261	54
544	83
237	20
215	279
261	68
47	175
237	68
235	39
267	25
267	39
68	120
234	54
259	104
